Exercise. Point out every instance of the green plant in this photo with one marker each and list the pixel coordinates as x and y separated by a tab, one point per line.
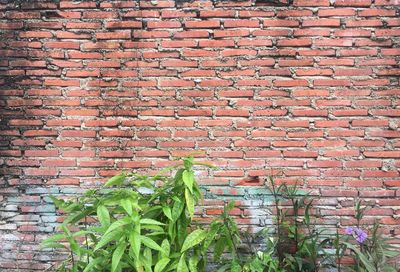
225	236
261	259
297	245
143	224
370	252
300	246
227	239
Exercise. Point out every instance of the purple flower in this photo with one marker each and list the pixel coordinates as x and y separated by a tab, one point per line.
349	231
361	235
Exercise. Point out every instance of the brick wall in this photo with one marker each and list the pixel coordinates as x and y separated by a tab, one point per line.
308	92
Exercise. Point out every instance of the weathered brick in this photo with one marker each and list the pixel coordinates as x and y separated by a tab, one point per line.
308	91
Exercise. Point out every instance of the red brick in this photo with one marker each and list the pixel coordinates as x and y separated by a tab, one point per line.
78	133
99	14
11	25
40	171
270	112
309	112
40	133
81	25
10	153
81	112
177	144
290	83
363	23
203	24
369	123
321	22
353	33
376	12
176	83
217	13
353	3
336	12
382	154
123	24
117	35
300	154
215	83
195	112
311	3
179	63
242	23
333	42
177	14
216	43
176	44
327	143
75	5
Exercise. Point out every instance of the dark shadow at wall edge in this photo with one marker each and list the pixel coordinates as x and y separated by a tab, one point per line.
25	64
22	68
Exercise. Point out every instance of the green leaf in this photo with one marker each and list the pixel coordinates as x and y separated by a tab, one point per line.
161	264
150	243
118	224
115	180
189	202
212	231
188	179
177	210
166	247
149	221
134	240
229	207
74	246
155	228
167	212
126	204
193	261
147	259
364	259
182	267
103	215
108	237
193	239
54	238
219	248
116	257
58	202
91	265
52	245
235	266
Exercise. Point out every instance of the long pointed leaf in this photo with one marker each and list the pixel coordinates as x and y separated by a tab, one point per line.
116	257
189	203
161	264
103	215
193	239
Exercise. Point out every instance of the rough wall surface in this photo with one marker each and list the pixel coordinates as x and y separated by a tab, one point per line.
308	92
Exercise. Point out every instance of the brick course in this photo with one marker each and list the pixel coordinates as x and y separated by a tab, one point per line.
308	92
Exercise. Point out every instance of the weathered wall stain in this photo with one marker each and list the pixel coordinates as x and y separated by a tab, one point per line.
308	92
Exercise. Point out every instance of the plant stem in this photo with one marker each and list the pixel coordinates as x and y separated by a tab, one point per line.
232	239
86	240
72	258
278	222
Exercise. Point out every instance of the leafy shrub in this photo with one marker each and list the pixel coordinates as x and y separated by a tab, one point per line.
369	252
145	224
297	244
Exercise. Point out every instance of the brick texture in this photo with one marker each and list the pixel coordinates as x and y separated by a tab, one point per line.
307	92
